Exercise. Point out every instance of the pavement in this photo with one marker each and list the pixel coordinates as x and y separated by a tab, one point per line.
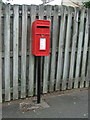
71	104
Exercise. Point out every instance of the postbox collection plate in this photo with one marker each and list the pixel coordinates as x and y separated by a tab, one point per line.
42	43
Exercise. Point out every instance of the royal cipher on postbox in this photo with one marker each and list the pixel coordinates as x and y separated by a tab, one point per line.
41	38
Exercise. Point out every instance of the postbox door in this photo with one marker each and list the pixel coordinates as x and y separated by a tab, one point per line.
42	44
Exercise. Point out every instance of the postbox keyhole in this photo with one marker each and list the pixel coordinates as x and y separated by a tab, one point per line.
42	35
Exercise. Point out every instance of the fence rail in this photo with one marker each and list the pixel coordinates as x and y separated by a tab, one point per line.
67	65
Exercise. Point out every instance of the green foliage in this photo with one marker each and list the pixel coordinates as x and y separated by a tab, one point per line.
86	4
2	3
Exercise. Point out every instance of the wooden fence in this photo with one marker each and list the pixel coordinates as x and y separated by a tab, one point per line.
65	68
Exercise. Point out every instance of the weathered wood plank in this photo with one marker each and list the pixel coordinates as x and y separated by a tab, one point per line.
31	57
0	54
67	45
53	52
81	31
7	52
88	66
86	40
24	48
60	49
73	50
46	58
41	12
15	51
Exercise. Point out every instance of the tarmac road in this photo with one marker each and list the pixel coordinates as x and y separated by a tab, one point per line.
70	105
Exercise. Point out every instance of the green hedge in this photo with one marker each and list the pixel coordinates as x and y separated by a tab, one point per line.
86	4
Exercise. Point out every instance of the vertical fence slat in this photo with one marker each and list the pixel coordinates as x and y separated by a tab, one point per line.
67	46
47	58
7	52
53	49
88	66
74	40
60	49
81	32
41	12
31	57
0	54
23	52
15	52
84	55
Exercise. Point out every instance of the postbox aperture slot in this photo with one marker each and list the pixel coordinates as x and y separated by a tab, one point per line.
42	26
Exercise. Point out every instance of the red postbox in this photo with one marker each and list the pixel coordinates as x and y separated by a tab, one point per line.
41	38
